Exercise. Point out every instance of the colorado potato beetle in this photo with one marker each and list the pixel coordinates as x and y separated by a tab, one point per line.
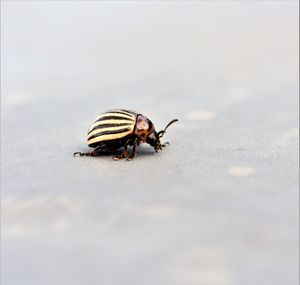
119	128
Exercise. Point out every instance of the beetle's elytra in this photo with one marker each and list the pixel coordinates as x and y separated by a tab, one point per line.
119	128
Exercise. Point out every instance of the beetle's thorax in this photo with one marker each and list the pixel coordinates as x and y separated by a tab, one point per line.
144	127
146	132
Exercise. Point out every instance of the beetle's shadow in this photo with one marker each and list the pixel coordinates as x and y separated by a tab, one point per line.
140	151
143	150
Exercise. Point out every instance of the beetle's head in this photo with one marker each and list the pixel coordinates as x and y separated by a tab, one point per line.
154	138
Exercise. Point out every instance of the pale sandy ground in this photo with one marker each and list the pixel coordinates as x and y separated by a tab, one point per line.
219	206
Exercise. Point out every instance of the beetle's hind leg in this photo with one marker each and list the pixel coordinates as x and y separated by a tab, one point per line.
90	153
124	154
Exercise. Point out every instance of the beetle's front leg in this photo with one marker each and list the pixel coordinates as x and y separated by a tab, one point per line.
124	154
165	144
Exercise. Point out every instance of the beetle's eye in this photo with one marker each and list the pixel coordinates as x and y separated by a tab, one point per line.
152	136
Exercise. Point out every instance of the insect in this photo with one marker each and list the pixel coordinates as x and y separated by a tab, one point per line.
119	128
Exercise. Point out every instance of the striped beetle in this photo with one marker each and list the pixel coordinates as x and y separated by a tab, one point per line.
121	128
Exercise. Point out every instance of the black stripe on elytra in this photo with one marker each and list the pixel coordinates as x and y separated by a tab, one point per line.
124	112
113	118
109	133
130	112
109	126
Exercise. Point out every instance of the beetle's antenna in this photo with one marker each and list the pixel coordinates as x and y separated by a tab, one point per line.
161	133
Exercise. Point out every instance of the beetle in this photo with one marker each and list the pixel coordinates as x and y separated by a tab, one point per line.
119	128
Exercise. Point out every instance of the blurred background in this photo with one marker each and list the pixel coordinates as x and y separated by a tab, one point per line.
218	206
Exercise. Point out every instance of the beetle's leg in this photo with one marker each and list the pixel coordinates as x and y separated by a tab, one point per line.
122	155
165	144
132	155
90	153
